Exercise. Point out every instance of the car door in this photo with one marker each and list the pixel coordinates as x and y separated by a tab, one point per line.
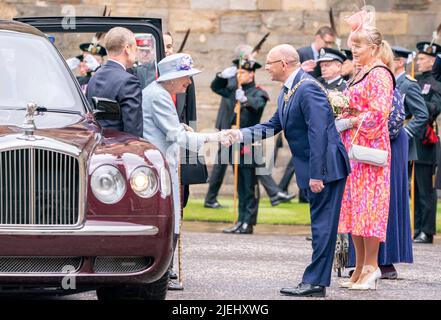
69	35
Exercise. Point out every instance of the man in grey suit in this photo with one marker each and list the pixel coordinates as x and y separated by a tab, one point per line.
113	82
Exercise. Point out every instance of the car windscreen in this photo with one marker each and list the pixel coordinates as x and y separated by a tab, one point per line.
31	70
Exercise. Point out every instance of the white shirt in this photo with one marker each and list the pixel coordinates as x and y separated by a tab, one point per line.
124	67
289	82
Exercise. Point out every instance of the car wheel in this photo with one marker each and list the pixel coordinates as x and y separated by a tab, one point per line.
151	291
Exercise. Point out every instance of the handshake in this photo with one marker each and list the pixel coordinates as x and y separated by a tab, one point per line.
226	137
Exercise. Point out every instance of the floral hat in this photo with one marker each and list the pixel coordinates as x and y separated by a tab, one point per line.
176	66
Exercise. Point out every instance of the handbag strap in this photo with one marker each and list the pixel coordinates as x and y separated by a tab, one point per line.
359	126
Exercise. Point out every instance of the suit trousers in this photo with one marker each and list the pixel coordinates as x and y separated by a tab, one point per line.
325	212
425	200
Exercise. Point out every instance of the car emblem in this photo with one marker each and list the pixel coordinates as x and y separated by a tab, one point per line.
29	124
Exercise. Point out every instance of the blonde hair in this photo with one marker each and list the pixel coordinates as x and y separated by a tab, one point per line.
117	38
387	56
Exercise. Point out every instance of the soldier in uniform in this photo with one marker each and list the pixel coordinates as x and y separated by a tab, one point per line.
436	70
145	66
224	121
425	193
331	62
253	100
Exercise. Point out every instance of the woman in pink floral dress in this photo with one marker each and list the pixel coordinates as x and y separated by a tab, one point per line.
365	203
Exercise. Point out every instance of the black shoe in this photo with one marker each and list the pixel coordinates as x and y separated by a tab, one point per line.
174	285
245	228
305	290
423	238
234	228
388	272
172	274
281	197
214	205
308	238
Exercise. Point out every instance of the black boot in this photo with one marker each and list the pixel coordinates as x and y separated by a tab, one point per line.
234	228
245	228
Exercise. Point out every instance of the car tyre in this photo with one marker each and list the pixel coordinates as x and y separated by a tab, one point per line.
151	291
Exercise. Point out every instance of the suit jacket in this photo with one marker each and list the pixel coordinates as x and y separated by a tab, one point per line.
309	128
416	111
306	53
111	81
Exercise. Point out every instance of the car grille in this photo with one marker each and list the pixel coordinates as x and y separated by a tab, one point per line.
121	264
38	187
39	264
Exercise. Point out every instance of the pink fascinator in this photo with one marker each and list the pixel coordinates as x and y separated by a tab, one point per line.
361	20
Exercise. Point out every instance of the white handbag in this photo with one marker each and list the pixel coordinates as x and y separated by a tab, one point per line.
372	156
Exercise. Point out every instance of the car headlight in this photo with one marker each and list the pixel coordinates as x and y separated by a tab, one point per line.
143	181
165	182
108	184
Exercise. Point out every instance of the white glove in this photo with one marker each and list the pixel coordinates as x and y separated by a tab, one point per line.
343	124
73	63
240	95
228	72
91	62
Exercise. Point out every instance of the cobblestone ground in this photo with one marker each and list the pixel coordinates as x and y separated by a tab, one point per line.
234	267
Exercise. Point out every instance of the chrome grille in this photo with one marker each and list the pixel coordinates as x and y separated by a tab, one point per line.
38	187
39	264
121	264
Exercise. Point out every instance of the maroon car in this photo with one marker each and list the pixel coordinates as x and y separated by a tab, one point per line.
81	207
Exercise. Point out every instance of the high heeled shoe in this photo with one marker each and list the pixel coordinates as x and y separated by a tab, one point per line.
370	281
346	284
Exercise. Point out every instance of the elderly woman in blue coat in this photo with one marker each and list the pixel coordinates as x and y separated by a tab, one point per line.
161	122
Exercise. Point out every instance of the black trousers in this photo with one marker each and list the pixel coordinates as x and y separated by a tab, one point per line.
248	195
286	180
425	200
218	174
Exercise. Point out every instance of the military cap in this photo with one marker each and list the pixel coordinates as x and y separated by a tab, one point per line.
249	65
329	54
144	42
94	49
426	48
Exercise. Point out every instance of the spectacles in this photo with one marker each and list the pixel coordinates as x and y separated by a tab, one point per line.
268	63
275	61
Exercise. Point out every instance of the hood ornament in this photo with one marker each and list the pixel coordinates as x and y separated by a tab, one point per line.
29	124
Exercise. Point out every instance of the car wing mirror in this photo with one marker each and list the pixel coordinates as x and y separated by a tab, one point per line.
105	109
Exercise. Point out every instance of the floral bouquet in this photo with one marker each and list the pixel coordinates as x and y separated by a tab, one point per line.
339	102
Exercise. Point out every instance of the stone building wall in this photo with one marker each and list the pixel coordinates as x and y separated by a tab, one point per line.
217	26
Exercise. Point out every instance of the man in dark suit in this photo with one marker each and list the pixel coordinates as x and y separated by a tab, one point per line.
224	120
319	157
324	38
112	81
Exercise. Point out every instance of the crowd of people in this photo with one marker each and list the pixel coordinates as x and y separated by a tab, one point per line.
359	129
